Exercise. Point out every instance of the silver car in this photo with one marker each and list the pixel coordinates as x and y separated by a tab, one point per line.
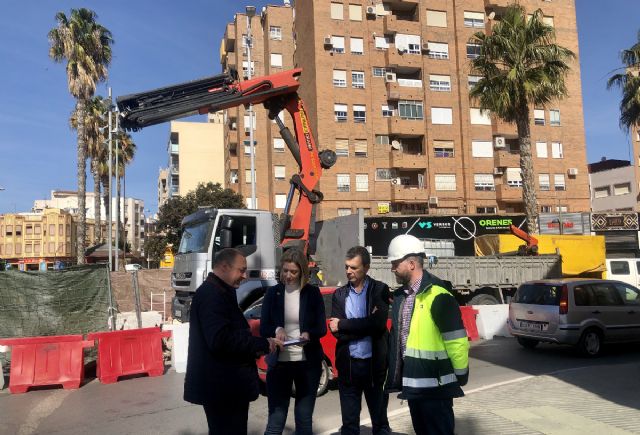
581	312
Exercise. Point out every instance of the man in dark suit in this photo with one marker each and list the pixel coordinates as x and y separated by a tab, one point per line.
359	322
221	364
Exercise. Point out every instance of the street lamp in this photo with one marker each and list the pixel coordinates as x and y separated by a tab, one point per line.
251	12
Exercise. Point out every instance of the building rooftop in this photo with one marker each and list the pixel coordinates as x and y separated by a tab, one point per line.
607	164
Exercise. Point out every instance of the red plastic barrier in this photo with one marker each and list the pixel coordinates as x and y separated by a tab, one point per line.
54	360
469	321
129	352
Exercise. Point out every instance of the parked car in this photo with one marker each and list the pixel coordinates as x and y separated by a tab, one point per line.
580	312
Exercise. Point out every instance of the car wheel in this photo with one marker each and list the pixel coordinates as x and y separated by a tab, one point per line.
323	386
527	343
590	343
483	299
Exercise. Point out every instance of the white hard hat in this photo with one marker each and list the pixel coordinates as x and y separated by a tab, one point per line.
404	245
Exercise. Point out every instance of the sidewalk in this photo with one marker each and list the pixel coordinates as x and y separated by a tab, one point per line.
593	400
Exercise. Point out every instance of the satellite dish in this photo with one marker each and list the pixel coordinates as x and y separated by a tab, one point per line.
396	145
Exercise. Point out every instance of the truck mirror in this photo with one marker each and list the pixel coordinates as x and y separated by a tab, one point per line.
226	222
226	238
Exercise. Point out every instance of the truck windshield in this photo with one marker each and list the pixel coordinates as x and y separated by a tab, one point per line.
195	237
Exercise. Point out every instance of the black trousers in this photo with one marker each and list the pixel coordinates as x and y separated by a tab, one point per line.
228	419
432	416
351	391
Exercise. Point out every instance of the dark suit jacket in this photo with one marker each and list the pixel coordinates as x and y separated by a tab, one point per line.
312	318
374	326
221	364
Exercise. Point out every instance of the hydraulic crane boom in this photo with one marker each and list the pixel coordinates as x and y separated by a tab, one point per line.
276	92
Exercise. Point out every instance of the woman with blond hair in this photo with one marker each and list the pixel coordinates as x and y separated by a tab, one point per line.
293	310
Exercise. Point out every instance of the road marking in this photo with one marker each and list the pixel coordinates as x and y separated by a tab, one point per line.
42	410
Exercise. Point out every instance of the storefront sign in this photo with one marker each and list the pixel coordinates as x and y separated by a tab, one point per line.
626	221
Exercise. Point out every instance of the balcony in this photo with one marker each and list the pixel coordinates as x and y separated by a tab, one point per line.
405	89
406	127
507	158
174	169
409	192
506	193
404	60
408	161
393	24
230	37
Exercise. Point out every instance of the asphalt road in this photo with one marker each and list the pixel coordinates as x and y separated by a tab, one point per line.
155	406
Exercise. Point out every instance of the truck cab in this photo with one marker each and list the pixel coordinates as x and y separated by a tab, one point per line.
204	233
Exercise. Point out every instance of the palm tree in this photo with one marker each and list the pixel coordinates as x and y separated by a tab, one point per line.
629	82
95	138
86	46
521	67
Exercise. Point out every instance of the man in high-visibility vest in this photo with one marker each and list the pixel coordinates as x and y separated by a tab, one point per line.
428	346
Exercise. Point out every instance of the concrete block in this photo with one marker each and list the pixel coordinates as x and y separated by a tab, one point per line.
128	320
492	320
180	345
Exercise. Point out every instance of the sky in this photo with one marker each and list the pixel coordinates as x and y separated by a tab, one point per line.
162	42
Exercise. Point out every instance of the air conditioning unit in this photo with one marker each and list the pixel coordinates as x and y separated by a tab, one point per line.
500	142
425	47
328	42
234	126
572	171
390	77
498	171
397	181
371	10
433	200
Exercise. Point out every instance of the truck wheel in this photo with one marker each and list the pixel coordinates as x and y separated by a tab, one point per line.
527	343
590	343
483	299
323	386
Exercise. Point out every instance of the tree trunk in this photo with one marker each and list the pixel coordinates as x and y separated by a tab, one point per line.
82	185
106	199
526	166
97	227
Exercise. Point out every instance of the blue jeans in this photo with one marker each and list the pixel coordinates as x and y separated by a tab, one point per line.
280	378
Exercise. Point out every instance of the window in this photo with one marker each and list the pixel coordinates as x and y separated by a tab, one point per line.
247	147
52	230
280	200
28	248
276	60
604	294
382	43
538	116
543	181
340	111
382	139
233	176
436	18
541	150
245	68
480	117
438	50
247	122
378	71
486	210
339	78
473	80
629	295
556	150
342	147
362	182
279	172
360	147
10	230
439	83
278	144
359	113
473	19
8	249
514	177
37	230
60	230
18	248
413	44
387	111
355	12
275	32
357	46
548	21
443	148
562	209
554	117
36	248
558	182
19	230
621	189
601	192
338	44
481	148
484	182
337	11
385	174
247	176
357	79
344	182
446	182
473	50
441	115
344	212
410	109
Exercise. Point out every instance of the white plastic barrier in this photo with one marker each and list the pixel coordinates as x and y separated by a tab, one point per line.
492	321
3	349
180	347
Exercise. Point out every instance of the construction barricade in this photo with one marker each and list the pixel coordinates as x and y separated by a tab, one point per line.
469	321
129	352
38	361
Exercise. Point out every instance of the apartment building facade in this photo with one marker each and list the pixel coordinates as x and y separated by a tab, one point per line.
613	186
387	87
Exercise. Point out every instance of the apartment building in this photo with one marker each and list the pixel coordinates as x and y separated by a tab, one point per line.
613	186
163	186
195	154
386	85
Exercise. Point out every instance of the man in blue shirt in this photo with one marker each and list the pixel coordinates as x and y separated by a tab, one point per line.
359	323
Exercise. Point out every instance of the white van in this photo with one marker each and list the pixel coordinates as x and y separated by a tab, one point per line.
625	270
